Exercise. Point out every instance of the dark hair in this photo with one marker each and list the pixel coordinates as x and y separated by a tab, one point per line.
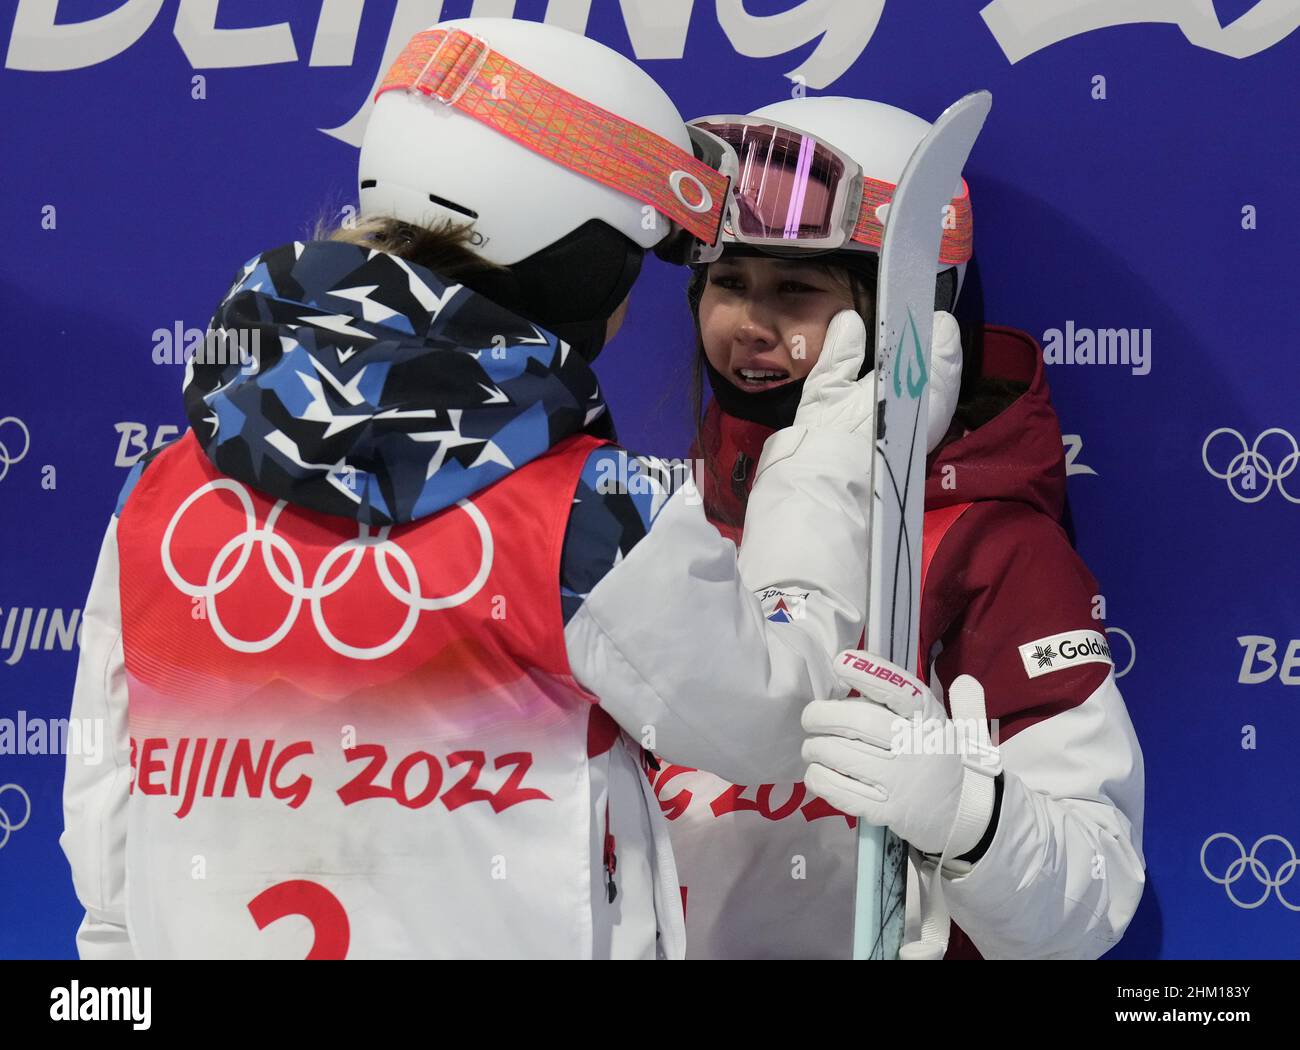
444	249
982	397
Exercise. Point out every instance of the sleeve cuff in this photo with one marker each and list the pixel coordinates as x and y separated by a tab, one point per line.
986	840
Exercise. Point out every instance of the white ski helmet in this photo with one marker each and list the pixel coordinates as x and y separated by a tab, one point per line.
880	138
572	226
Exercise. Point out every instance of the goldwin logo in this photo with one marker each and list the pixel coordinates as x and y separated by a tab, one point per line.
101	1004
1060	651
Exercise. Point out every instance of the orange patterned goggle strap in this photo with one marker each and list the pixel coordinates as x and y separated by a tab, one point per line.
462	71
958	229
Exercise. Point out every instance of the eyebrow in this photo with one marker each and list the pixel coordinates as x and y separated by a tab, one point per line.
797	264
780	263
792	270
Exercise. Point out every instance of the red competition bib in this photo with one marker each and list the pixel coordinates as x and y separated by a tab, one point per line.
352	741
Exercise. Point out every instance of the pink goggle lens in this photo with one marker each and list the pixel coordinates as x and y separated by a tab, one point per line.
787	185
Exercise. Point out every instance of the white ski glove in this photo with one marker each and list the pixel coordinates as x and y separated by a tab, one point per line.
894	758
835	399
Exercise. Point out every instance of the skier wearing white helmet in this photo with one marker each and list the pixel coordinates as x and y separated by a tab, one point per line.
1048	838
379	645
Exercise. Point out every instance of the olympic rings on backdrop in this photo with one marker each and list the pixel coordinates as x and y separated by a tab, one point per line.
6	824
1251	459
7	458
240	548
1271	882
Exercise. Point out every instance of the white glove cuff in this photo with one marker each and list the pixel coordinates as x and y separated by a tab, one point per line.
974	811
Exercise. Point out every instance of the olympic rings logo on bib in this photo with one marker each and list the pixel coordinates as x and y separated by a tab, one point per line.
240	549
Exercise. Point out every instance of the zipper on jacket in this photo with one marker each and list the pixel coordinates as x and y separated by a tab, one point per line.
611	860
738	474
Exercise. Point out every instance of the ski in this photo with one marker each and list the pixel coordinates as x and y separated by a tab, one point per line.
909	257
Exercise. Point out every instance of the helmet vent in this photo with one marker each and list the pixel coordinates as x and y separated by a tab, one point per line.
460	209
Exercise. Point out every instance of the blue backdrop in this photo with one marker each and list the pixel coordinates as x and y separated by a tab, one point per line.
1139	172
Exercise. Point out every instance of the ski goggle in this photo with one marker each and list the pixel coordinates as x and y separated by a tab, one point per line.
462	71
794	191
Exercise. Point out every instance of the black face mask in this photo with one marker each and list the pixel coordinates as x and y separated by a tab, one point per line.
572	287
773	408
